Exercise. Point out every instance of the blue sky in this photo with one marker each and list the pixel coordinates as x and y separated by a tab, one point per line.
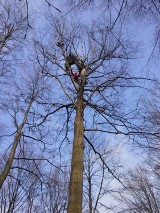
141	33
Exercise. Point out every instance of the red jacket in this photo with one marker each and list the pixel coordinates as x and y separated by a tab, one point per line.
76	76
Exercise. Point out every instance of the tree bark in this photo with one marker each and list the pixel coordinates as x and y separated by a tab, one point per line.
76	177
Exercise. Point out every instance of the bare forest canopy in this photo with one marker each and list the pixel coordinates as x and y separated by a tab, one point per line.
79	106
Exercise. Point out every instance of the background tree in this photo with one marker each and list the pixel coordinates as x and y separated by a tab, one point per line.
18	103
12	30
26	190
98	182
142	192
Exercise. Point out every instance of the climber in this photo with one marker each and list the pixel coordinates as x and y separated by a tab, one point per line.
76	76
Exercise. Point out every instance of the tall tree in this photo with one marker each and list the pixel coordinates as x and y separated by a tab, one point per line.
90	66
85	68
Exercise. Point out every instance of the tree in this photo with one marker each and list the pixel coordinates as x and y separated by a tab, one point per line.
18	104
98	182
128	11
55	195
141	193
19	192
12	30
105	60
26	190
84	84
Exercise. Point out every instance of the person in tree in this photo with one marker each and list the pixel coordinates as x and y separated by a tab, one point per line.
72	59
76	77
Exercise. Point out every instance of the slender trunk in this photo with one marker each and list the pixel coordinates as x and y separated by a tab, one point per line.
76	177
7	168
8	165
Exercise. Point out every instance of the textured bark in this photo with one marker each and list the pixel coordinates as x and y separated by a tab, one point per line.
76	177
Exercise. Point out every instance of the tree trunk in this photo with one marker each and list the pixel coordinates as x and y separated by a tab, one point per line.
8	165
7	168
76	177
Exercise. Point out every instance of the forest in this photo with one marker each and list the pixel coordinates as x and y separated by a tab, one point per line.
79	106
